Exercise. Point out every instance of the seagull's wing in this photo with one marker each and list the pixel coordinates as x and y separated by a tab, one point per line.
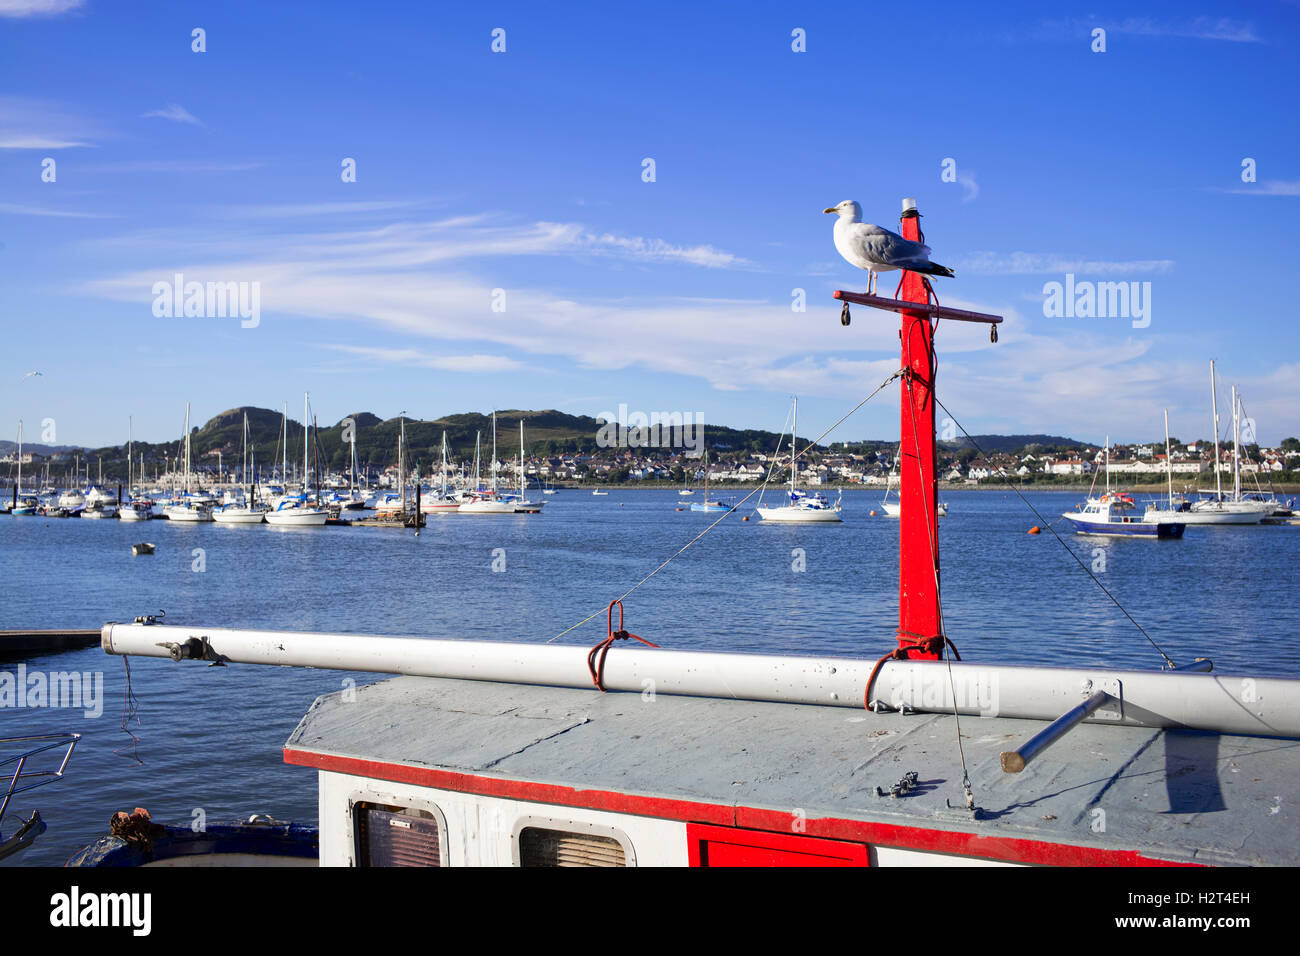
880	245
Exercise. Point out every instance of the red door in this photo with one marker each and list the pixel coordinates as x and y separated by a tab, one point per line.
730	846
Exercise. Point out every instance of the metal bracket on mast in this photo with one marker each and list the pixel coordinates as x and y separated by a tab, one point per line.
194	649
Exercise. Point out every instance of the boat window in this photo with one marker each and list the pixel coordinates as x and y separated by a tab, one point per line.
543	847
396	836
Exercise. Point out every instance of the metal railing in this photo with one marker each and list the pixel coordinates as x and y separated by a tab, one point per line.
38	778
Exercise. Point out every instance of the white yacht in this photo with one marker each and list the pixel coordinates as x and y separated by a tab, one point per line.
99	504
803	507
235	508
138	509
298	510
191	507
1233	509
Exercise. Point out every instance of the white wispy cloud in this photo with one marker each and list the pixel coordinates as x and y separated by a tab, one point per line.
27	123
446	363
172	166
16	140
174	112
415	289
393	247
1197	28
283	210
1271	187
1050	263
37	8
970	188
1223	29
21	210
658	250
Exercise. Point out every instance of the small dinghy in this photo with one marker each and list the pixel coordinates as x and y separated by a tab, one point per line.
144	547
135	840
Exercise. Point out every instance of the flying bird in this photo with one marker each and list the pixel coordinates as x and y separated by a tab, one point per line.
879	250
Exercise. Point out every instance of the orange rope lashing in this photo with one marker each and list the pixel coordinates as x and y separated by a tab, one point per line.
915	642
596	658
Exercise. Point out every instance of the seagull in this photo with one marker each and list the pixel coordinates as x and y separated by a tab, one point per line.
878	250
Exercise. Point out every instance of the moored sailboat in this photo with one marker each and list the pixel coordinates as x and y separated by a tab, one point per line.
707	505
190	508
299	510
803	507
245	511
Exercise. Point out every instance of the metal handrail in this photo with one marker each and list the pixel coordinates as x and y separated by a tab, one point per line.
40	777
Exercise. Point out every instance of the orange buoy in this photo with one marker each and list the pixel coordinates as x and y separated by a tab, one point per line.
873	514
680	509
1034	530
745	518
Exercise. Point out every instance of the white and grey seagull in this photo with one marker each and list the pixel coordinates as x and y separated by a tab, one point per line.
879	250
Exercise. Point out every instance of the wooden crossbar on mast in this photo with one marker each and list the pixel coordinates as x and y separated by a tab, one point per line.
931	309
919	622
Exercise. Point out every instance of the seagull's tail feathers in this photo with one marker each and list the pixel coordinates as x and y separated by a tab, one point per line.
934	269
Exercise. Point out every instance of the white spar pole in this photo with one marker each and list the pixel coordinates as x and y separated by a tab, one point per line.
1200	701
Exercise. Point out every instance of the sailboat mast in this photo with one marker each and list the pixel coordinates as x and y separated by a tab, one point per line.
19	486
130	436
1214	406
284	448
1236	447
494	454
352	488
1169	462
521	459
1107	464
444	464
187	448
306	416
794	444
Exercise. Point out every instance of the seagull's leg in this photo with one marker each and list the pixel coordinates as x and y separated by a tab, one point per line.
871	281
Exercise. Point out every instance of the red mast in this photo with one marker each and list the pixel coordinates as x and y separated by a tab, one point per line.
918	524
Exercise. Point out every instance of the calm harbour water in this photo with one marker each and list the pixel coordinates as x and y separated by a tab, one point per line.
211	738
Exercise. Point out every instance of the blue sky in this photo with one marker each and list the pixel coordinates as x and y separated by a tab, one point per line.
522	171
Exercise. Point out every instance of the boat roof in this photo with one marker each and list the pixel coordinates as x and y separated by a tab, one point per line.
1166	795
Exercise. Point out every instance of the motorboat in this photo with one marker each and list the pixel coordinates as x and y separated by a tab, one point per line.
1116	514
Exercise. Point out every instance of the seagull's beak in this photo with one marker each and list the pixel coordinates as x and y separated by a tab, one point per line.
831	209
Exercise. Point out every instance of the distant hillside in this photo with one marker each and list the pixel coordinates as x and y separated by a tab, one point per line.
547	432
35	448
1031	444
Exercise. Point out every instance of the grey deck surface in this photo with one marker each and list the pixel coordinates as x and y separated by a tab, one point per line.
1174	795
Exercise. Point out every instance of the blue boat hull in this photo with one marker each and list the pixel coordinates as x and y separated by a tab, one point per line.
288	842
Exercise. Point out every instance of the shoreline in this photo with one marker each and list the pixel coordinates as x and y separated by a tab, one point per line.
1280	489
